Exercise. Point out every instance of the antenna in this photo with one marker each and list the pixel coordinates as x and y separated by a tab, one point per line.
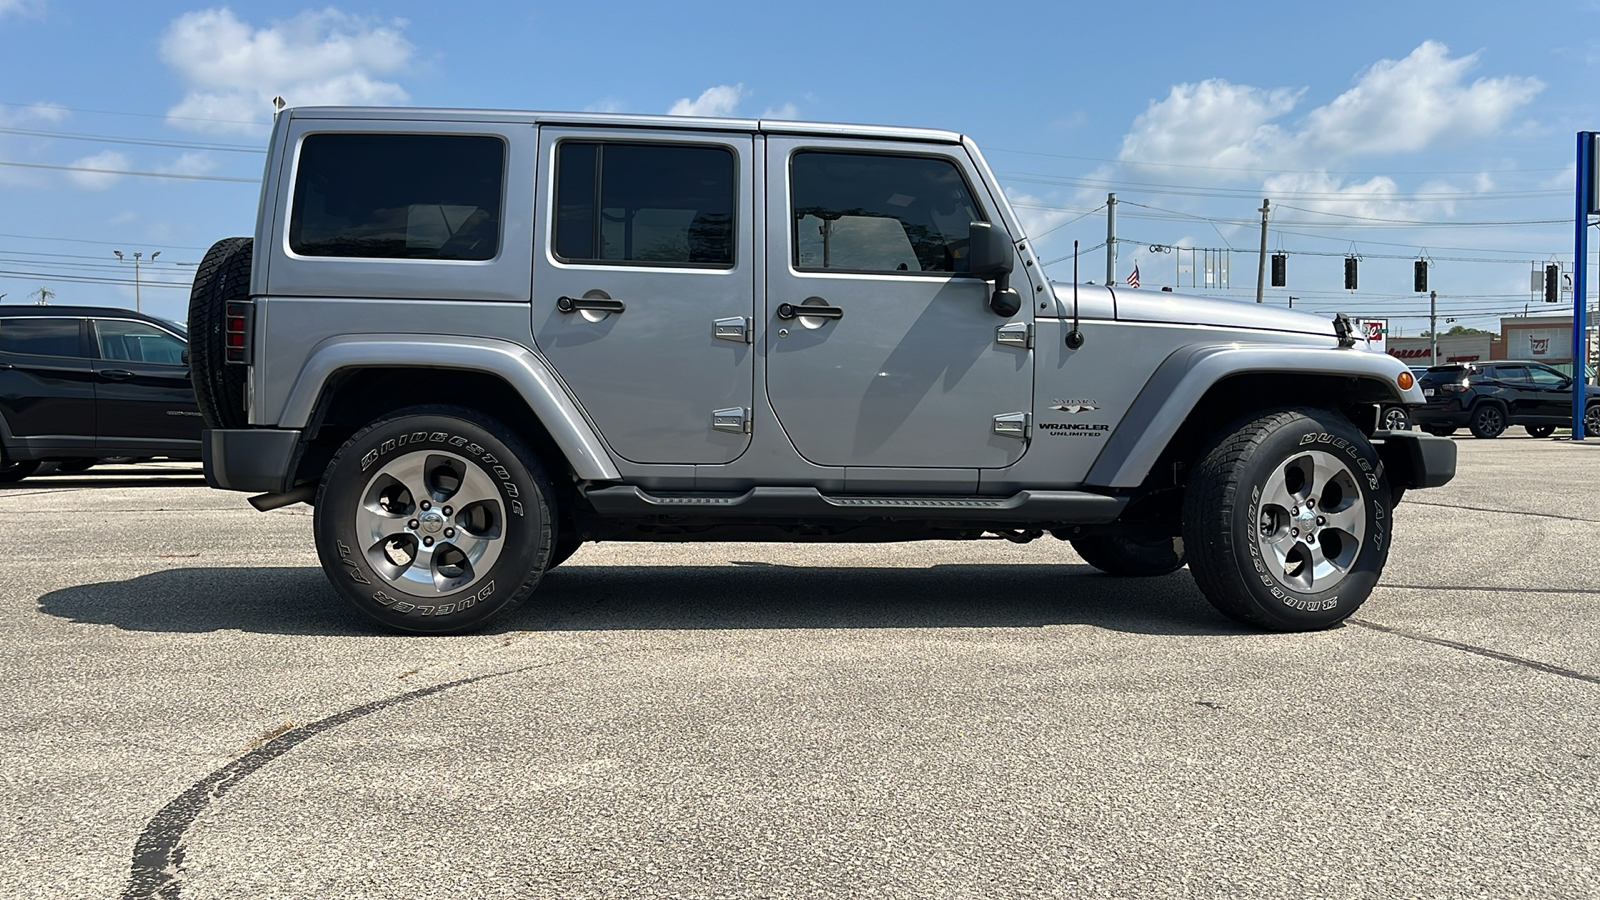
1074	337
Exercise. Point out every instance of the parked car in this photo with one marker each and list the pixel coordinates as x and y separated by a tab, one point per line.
81	384
1489	397
476	340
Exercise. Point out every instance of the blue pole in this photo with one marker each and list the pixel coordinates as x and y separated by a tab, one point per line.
1580	279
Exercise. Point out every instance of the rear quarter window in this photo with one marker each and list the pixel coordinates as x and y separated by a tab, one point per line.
398	196
40	337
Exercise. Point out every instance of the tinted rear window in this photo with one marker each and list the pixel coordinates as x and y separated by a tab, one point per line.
40	337
398	196
1444	374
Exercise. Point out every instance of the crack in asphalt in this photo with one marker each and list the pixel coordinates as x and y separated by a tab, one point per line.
157	870
1509	512
1480	651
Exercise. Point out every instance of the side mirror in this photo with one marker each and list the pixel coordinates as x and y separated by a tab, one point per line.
990	255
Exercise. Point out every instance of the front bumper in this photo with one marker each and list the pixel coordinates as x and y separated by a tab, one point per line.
258	460
1413	460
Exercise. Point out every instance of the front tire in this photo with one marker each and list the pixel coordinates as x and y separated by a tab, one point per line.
1286	520
434	520
1130	557
1395	418
1488	421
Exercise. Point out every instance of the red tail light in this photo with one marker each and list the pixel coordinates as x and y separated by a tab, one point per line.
238	321
1458	387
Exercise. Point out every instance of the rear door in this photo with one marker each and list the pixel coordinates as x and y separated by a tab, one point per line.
46	386
644	285
142	387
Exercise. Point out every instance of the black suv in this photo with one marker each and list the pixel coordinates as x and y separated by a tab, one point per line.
80	384
1489	397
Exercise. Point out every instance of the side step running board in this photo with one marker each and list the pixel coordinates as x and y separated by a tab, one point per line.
1065	507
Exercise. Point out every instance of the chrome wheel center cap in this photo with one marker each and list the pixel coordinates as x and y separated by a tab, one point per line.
431	522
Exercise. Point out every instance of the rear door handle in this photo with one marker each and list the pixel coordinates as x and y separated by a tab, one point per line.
790	311
116	374
598	304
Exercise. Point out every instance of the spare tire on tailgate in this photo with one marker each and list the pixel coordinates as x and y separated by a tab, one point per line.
224	276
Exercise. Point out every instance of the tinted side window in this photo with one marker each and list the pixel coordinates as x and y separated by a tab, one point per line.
865	212
137	342
40	337
1547	379
644	204
1511	374
398	196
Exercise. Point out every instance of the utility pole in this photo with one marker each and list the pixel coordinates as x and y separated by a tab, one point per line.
137	305
1261	261
1111	240
1433	328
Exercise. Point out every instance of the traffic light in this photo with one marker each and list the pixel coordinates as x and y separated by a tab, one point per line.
1552	283
1280	269
1419	276
1349	273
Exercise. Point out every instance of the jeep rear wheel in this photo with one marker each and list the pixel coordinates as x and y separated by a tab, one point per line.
1488	421
435	520
223	277
1286	520
1130	557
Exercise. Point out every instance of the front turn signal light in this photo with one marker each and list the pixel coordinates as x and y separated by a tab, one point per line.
1406	380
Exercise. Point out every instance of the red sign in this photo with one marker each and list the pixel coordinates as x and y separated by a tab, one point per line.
1540	346
1374	330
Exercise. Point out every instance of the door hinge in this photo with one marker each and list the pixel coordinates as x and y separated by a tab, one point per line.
1015	334
734	420
734	328
1014	425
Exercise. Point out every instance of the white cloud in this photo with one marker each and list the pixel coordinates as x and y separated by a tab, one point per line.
715	102
787	112
233	70
190	164
98	181
34	114
606	105
20	7
1396	106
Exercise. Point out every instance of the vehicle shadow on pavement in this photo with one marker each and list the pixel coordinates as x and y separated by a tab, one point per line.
622	598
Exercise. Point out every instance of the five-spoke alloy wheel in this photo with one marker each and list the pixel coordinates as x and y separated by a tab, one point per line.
1286	520
1488	421
436	520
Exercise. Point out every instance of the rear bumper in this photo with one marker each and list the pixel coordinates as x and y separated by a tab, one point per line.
1413	460
258	460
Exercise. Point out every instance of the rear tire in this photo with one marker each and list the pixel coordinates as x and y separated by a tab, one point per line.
1130	557
1540	431
1286	520
1488	421
434	520
74	466
1440	430
223	277
14	470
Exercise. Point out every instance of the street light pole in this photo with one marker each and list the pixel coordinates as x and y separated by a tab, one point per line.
138	306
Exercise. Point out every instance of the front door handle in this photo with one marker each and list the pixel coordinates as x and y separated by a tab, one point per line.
116	374
790	311
598	304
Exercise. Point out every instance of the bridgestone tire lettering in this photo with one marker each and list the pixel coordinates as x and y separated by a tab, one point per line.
525	528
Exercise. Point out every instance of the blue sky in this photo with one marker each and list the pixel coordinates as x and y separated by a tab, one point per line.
1360	121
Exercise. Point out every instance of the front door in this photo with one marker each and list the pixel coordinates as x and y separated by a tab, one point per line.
644	286
904	369
142	391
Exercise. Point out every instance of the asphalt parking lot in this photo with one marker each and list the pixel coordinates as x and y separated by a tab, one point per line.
192	713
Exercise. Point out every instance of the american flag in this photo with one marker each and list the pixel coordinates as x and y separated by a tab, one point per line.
1133	277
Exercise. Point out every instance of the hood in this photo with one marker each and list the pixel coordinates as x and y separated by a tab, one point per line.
1186	309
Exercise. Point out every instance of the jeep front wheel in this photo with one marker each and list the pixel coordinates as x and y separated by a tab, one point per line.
1286	520
435	520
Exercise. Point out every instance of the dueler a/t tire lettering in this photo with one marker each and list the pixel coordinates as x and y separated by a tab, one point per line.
448	476
1231	524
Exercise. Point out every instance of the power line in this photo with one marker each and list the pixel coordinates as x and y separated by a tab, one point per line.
1251	169
113	112
128	172
1181	190
141	142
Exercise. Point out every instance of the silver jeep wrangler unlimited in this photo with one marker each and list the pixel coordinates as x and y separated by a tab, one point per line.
476	340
